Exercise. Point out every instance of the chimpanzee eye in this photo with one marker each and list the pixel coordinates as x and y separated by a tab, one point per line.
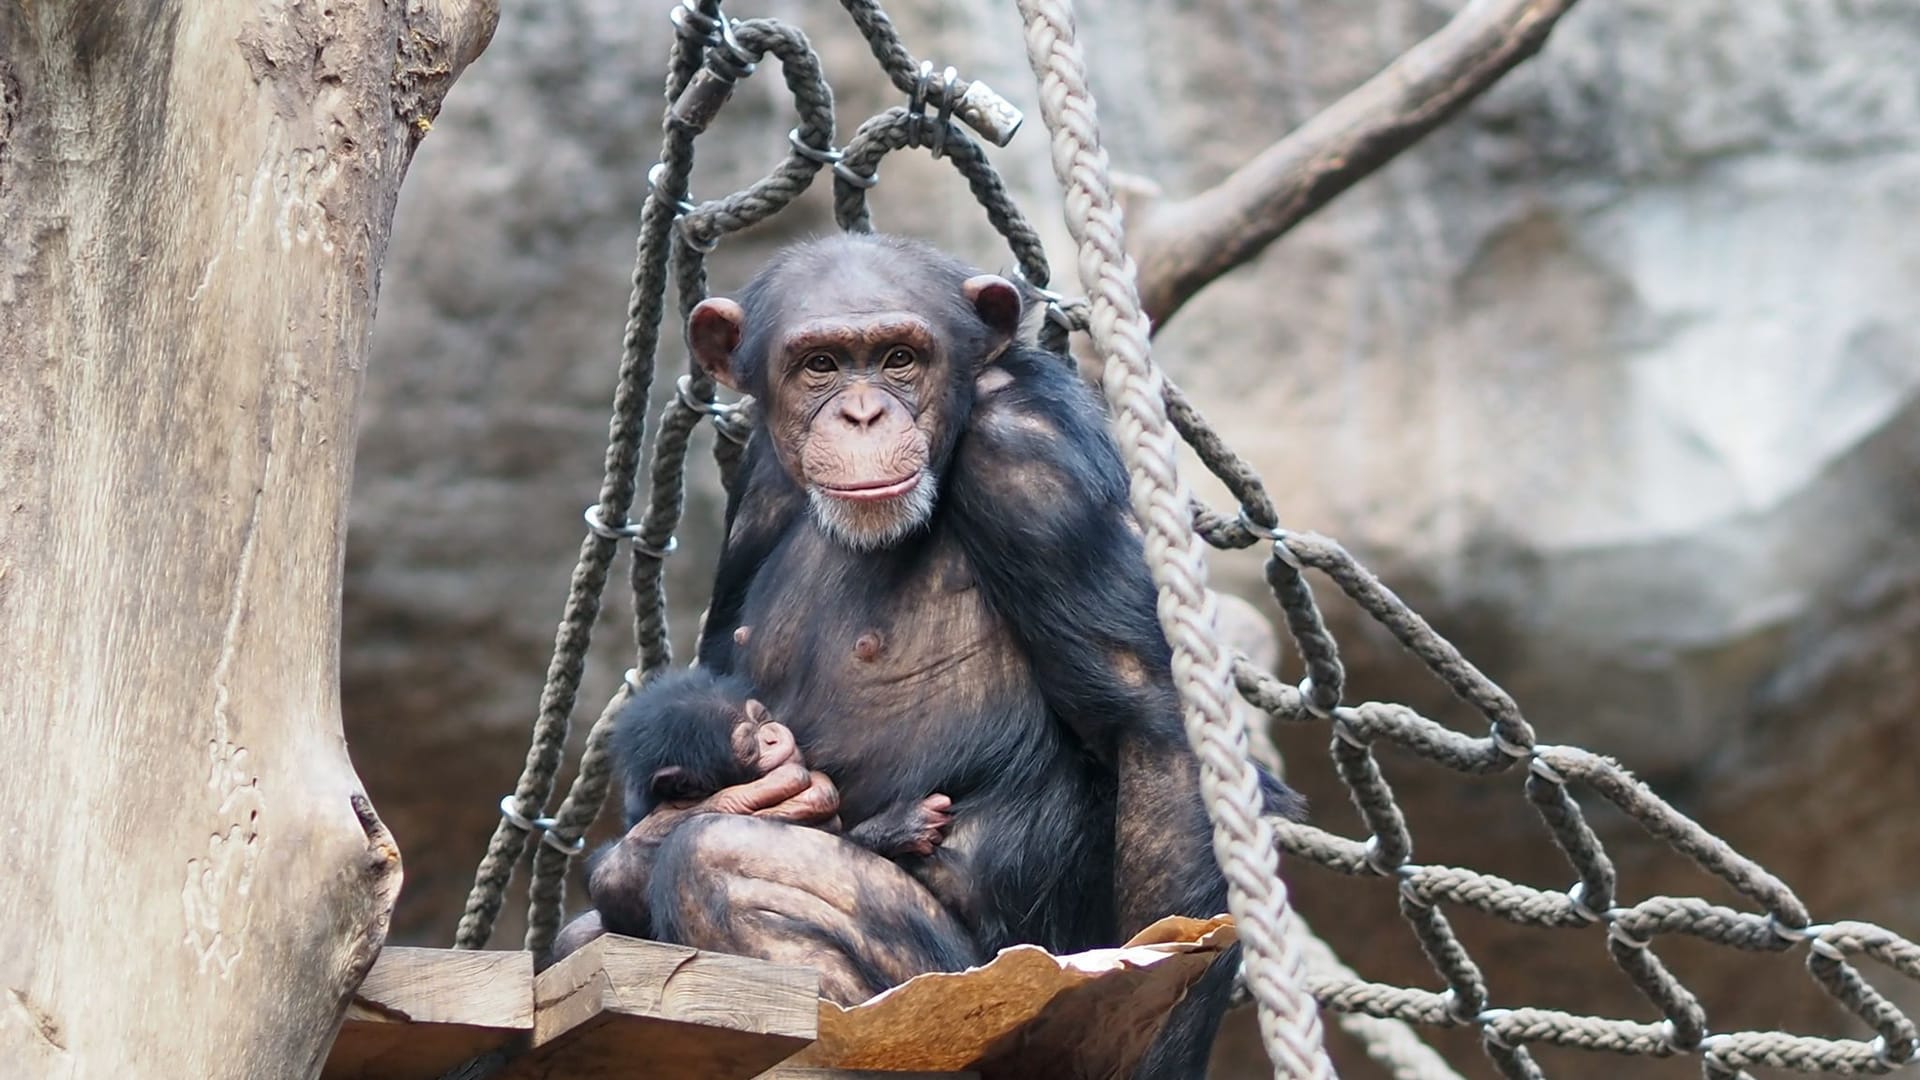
821	363
900	357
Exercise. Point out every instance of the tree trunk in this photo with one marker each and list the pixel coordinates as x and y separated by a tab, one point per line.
194	203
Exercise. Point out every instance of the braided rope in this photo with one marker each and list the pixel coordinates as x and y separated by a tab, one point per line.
1243	840
638	345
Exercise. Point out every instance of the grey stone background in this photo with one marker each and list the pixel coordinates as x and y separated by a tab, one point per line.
1617	378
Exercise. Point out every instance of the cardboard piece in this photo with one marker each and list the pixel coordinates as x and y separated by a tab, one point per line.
1085	1016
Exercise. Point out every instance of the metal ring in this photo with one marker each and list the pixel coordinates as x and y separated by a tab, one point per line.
625	531
1539	767
655	177
741	57
683	389
724	428
1616	932
1275	534
1822	946
1058	314
542	825
1306	692
631	678
1486	1018
1406	872
845	172
1508	747
512	813
829	156
1343	730
1577	895
917	101
687	20
641	547
1668	1034
552	840
1371	856
1455	1007
1793	935
1286	555
688	236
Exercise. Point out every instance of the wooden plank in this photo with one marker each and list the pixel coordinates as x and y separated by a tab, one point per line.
424	1011
803	1073
619	1003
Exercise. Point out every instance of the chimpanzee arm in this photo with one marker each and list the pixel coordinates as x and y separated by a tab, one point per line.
1042	498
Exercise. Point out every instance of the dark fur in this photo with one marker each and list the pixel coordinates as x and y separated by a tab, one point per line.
1025	669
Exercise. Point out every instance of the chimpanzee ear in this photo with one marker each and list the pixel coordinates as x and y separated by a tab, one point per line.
998	304
713	332
671	784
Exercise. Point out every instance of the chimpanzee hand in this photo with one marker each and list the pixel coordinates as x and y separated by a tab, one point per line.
785	790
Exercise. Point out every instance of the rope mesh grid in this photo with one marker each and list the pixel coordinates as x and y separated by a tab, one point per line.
1288	970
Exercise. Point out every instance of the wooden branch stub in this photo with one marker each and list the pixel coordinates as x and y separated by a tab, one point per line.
1183	245
618	1003
424	1011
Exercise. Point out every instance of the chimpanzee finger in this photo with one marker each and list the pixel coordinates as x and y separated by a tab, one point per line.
774	789
819	803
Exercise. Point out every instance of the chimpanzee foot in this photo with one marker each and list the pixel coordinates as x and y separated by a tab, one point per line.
935	814
914	828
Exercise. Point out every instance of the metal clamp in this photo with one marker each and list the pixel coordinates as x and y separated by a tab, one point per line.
715	33
542	825
935	136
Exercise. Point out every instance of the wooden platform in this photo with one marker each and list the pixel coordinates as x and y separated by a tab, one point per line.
617	1008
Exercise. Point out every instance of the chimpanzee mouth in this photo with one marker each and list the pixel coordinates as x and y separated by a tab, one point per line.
873	492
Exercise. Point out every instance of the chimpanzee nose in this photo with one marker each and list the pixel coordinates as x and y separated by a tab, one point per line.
861	406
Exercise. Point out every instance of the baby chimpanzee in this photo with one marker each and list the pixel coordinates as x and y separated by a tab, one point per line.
690	734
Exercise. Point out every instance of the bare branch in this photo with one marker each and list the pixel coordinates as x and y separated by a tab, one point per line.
1183	245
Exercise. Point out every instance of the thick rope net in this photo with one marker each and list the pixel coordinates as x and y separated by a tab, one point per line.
1289	974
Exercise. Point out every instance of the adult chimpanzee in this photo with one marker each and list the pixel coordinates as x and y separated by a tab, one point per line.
931	576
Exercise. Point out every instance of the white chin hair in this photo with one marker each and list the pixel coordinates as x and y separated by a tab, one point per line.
871	526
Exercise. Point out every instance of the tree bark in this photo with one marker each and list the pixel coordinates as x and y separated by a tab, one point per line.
1182	246
194	203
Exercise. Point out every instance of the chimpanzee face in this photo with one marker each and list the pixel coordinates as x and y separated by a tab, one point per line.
851	407
864	370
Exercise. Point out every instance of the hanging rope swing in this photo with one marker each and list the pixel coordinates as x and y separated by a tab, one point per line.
1288	974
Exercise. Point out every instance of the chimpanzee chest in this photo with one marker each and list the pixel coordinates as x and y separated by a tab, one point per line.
895	674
